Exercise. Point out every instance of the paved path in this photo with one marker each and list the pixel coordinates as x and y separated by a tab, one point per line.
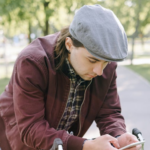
134	92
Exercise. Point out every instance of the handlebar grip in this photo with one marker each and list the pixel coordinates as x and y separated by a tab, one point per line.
56	144
138	134
135	132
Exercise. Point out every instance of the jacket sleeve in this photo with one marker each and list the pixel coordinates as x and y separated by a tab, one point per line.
109	119
29	88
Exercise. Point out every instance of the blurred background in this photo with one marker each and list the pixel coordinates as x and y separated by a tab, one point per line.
22	21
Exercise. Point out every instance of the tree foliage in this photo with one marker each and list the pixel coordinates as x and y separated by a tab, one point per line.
38	14
133	14
32	13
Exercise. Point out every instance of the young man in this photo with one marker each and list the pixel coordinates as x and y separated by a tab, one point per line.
61	83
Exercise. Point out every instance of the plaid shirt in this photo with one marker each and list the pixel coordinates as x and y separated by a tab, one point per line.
75	99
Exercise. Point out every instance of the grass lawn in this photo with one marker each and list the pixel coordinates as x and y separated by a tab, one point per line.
143	70
3	83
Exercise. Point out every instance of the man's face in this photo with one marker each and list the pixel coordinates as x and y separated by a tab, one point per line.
84	64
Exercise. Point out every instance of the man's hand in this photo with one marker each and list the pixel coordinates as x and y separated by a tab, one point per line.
102	143
126	139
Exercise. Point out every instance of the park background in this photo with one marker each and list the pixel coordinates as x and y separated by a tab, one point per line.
22	21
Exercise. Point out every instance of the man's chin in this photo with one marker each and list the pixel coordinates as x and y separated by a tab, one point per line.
86	78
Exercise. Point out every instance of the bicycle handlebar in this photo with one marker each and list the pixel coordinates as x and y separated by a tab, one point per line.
57	145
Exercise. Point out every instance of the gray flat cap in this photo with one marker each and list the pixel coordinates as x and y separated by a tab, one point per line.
101	33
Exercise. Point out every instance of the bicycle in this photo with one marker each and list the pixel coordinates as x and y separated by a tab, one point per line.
57	145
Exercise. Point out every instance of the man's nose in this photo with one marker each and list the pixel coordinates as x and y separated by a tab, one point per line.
98	70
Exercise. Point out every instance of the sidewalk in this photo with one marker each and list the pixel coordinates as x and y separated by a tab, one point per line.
134	92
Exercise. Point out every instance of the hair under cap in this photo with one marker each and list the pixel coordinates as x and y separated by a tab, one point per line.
101	33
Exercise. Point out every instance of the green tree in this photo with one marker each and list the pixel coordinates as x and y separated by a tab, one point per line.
133	14
30	12
72	5
140	19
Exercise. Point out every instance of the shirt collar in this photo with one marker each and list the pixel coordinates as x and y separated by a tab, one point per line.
70	70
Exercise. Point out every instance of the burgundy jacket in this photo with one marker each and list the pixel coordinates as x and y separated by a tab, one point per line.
35	98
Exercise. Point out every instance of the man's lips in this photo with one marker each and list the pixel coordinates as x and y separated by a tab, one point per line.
92	76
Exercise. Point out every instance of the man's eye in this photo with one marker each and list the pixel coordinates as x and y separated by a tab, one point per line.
92	61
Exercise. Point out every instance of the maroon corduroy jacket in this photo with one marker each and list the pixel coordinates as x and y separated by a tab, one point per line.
35	98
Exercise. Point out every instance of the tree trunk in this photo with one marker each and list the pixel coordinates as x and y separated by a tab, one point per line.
142	41
29	31
46	30
132	54
135	34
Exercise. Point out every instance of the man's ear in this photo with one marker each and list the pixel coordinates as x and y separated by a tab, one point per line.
68	44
